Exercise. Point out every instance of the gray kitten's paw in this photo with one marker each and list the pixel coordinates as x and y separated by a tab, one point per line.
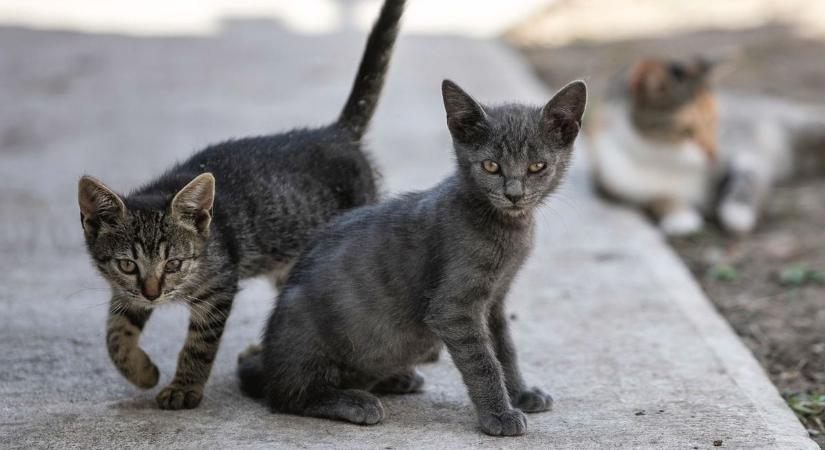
405	383
362	409
533	400
179	397
509	423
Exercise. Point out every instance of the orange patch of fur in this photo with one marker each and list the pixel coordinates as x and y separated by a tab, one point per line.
701	118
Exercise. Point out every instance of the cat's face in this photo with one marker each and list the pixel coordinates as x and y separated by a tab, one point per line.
147	255
515	155
674	100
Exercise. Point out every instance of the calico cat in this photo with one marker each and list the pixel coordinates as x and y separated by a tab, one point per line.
384	285
664	140
235	210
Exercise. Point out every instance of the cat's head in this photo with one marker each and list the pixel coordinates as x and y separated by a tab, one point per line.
147	249
673	83
515	155
673	100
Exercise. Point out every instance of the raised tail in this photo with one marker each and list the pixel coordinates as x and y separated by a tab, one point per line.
360	106
250	371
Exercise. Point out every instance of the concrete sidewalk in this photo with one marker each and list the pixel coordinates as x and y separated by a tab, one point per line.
605	316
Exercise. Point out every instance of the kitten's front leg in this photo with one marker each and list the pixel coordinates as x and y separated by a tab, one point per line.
123	328
526	399
465	335
206	324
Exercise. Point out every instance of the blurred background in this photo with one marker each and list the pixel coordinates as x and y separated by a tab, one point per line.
770	285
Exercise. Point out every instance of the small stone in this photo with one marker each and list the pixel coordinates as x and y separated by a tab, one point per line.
717	443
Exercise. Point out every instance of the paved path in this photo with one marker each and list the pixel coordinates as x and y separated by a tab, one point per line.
604	315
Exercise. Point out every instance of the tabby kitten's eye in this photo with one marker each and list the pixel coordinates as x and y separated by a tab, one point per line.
490	166
172	266
536	167
126	266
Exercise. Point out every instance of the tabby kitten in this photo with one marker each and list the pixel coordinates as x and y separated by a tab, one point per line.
181	239
664	140
384	285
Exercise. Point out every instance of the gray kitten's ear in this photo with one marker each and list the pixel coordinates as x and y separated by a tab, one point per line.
192	205
99	205
466	118
562	115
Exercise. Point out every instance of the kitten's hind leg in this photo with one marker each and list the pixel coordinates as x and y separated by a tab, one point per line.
251	371
351	405
403	383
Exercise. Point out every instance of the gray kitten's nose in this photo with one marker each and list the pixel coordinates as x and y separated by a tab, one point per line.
514	197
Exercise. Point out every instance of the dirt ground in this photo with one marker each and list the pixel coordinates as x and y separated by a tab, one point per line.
771	285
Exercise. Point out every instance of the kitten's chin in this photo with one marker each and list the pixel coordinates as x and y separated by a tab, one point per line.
514	211
149	304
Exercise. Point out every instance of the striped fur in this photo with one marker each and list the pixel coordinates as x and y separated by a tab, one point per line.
234	210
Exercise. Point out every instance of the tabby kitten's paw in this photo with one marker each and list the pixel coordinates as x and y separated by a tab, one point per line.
179	397
405	383
146	377
509	423
533	400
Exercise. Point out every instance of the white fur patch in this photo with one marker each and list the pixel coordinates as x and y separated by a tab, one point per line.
640	170
682	222
737	217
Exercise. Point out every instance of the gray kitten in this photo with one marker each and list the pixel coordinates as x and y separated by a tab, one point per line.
180	239
383	286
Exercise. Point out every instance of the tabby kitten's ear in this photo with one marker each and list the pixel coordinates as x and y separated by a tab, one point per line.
466	118
562	115
99	205
192	205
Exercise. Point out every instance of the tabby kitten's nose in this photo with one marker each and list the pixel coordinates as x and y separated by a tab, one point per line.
514	197
150	288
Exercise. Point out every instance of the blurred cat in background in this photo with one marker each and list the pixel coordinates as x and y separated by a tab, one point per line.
663	139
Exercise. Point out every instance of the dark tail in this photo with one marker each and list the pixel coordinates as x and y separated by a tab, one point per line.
357	112
250	372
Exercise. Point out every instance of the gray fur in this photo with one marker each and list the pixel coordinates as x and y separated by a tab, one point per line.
235	210
381	288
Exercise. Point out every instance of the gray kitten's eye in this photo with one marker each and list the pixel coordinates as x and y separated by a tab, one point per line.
490	166
536	167
126	266
172	266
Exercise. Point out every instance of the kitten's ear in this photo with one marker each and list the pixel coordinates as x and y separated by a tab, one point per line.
99	205
562	115
466	118
192	205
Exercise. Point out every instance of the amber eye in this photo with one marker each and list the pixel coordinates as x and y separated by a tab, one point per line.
490	166
126	266
536	167
172	266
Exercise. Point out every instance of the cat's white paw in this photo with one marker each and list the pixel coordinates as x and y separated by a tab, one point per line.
737	218
682	222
